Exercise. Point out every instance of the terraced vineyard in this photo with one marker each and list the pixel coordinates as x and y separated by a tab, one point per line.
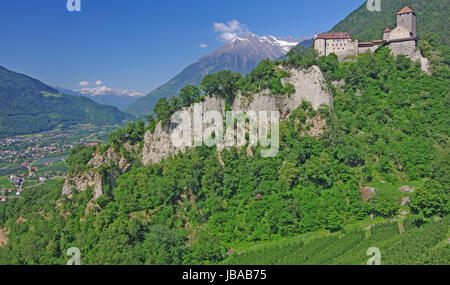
426	244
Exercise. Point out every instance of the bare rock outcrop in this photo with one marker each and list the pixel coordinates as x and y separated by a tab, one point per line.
367	193
314	127
425	65
405	200
406	189
92	178
309	84
81	181
158	145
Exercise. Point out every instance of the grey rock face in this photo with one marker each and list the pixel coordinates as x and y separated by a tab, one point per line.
405	200
424	62
81	181
309	84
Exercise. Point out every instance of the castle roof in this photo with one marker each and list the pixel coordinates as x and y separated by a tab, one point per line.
332	36
405	10
387	30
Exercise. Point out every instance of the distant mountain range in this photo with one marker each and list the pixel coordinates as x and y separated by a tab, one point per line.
103	95
30	106
239	55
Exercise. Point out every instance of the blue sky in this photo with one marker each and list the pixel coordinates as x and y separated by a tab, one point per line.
141	44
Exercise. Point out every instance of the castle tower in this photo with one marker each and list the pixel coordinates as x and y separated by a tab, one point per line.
406	18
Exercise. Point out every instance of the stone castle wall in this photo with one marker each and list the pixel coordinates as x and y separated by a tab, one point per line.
319	45
406	48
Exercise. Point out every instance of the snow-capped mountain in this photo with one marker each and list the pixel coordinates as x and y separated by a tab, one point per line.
252	47
109	96
239	55
268	46
105	91
285	44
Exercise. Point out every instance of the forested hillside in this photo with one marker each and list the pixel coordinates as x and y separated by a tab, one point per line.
29	106
388	127
432	17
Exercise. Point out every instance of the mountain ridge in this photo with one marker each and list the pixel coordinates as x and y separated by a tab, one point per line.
103	91
119	98
31	106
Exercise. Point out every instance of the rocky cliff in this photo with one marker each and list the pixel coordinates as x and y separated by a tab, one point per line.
309	84
425	65
95	178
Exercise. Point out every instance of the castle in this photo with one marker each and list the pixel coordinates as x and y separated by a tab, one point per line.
402	40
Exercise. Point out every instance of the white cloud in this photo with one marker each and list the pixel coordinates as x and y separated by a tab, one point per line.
229	31
84	83
202	45
98	82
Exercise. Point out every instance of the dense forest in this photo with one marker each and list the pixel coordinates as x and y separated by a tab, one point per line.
29	106
388	127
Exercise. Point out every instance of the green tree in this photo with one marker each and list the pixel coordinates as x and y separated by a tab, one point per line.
334	220
384	204
163	246
151	119
222	83
163	110
431	199
189	94
210	84
300	56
